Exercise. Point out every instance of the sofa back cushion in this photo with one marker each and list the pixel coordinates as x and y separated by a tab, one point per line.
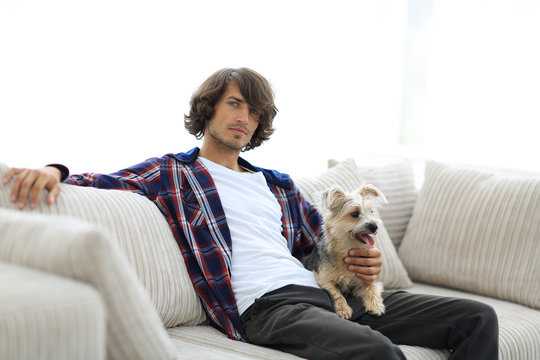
142	234
77	250
478	232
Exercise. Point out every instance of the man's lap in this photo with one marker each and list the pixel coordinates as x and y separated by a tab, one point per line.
296	316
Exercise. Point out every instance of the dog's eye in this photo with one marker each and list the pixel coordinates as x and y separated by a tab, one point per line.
355	214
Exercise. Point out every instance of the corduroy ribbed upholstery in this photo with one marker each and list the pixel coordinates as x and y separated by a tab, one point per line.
44	316
134	224
77	250
478	232
143	235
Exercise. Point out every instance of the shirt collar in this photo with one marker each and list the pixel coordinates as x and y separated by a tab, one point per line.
273	177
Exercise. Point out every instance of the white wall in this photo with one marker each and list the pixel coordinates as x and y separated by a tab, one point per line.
101	85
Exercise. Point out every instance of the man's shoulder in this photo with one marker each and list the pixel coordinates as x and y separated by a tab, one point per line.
186	158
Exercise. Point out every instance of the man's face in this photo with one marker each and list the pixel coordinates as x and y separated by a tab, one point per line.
234	121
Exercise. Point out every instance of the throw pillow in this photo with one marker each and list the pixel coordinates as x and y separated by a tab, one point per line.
478	232
345	174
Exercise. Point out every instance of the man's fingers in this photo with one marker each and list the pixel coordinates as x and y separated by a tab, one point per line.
364	261
368	278
53	194
9	175
365	252
21	175
32	181
38	186
28	178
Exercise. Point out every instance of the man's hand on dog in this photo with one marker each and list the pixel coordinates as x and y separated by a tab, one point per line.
366	263
33	181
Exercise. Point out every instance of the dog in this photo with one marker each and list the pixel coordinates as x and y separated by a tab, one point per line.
350	221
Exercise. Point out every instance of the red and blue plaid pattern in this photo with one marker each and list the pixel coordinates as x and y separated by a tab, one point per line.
185	193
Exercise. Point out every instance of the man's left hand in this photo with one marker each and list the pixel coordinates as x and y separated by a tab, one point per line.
365	262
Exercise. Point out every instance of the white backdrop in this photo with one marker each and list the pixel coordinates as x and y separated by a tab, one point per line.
101	85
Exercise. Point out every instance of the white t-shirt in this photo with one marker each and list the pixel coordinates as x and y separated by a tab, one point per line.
261	261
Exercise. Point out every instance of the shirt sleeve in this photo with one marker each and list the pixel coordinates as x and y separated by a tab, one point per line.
310	226
143	178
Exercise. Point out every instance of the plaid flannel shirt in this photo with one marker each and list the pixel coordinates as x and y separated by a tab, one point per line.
185	193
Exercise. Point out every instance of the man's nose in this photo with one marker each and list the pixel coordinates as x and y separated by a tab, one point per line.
243	115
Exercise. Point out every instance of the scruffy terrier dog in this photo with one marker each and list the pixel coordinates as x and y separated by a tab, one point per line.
350	221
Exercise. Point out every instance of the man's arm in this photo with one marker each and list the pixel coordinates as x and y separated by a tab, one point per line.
33	181
143	178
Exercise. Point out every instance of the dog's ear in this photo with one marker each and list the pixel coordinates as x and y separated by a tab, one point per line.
333	199
371	192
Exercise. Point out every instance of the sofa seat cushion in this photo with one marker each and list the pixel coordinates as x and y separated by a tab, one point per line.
477	232
34	302
143	235
205	342
519	326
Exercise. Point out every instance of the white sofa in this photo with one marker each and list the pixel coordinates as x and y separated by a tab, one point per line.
99	275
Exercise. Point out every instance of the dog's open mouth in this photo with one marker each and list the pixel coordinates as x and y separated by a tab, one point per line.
366	239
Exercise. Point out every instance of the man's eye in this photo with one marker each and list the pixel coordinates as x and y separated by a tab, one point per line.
254	111
233	103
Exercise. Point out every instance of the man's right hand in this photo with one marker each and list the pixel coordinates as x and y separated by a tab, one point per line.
33	181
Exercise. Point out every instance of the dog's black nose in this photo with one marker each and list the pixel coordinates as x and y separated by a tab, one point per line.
372	227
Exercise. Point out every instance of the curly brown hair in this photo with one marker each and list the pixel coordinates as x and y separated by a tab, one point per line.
255	89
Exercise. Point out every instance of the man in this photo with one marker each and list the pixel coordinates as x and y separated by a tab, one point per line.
242	231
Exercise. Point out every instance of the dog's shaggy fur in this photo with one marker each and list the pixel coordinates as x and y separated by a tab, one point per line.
350	221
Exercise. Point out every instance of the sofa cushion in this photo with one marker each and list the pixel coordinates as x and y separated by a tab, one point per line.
78	250
478	232
345	174
519	325
142	234
33	302
395	178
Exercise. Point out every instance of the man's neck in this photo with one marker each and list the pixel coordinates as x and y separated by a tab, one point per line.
224	157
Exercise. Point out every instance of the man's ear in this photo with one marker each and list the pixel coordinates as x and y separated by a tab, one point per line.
369	191
333	199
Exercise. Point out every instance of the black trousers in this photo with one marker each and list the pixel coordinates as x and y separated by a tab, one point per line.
300	320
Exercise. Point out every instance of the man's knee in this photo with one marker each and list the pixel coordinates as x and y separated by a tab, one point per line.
482	312
481	318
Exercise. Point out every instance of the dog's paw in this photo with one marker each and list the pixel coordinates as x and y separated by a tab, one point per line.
375	305
377	310
343	309
372	299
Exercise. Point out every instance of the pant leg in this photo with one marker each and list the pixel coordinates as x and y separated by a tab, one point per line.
469	329
300	320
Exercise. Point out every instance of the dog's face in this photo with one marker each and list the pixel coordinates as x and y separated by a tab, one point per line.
352	217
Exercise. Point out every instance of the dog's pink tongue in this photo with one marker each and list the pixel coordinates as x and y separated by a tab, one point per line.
368	240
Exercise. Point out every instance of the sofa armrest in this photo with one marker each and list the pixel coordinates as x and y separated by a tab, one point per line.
74	249
43	316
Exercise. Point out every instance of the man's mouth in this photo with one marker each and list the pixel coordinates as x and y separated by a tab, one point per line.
239	131
366	239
